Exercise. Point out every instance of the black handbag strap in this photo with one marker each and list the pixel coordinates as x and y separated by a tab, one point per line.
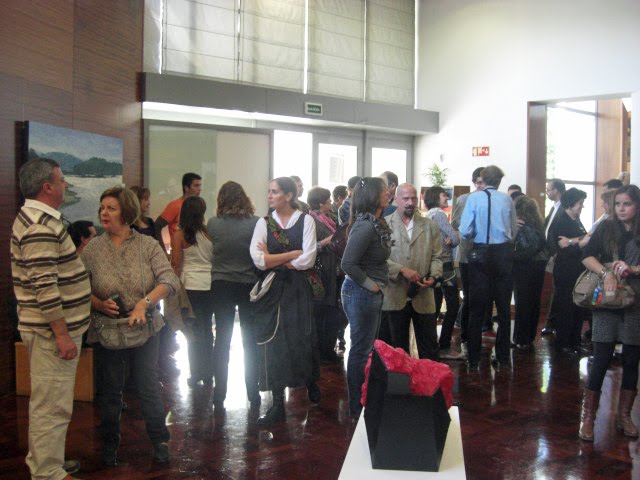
489	214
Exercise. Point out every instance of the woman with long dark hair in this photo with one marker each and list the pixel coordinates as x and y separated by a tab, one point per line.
529	261
191	254
365	264
233	277
435	199
613	253
567	237
285	243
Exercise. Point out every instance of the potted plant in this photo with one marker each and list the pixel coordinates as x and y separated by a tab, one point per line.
437	175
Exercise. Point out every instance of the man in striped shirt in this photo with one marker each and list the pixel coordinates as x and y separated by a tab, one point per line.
54	299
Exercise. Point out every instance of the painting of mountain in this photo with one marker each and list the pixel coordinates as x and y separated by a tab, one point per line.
91	163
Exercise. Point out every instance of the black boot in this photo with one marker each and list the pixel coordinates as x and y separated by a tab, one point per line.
276	413
110	455
314	392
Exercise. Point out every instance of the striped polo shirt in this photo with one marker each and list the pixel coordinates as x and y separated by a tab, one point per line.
49	280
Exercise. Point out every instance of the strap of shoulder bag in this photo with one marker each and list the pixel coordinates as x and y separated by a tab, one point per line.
489	214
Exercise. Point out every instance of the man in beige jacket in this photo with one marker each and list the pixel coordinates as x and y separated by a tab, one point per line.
414	266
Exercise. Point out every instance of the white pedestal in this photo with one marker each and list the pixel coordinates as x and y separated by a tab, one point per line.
357	464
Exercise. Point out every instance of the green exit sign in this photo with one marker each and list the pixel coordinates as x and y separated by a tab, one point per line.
313	109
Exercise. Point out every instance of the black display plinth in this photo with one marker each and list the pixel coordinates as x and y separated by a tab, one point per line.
405	432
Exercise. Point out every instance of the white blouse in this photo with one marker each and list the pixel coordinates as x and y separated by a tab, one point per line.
304	261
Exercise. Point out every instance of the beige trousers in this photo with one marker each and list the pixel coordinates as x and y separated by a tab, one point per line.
50	407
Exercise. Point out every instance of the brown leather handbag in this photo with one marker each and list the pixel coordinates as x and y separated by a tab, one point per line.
589	292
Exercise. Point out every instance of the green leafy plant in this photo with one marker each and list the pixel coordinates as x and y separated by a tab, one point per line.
437	175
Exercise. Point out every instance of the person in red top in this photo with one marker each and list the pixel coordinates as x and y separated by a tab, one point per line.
191	185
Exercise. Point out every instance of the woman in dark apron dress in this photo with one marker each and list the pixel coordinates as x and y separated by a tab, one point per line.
285	242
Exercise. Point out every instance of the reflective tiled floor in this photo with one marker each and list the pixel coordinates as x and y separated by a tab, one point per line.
517	423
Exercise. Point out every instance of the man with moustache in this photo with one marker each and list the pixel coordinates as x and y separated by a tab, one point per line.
414	266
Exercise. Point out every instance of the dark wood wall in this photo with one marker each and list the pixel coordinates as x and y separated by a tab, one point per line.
74	64
609	145
537	153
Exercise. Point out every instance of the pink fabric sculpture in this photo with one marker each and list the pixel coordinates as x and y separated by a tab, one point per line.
426	376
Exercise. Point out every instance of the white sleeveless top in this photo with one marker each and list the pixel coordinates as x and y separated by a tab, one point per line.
197	264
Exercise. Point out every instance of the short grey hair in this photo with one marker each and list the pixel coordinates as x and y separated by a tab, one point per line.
34	174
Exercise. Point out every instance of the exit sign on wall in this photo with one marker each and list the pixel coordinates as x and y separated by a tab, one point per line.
480	151
313	109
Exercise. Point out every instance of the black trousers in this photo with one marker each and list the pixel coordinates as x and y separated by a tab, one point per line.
463	311
111	365
200	342
226	296
568	323
394	329
451	296
491	280
528	278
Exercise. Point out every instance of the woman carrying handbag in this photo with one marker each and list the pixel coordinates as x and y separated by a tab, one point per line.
617	237
130	274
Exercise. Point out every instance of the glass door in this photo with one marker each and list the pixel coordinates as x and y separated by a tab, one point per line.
337	159
336	164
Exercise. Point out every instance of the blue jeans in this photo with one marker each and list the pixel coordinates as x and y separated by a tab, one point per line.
363	309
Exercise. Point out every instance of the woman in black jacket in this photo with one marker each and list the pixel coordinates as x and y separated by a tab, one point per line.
567	237
529	261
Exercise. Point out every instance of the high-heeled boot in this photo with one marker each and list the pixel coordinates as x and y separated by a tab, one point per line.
277	412
624	422
588	416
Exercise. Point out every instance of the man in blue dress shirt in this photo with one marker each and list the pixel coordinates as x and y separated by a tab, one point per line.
489	220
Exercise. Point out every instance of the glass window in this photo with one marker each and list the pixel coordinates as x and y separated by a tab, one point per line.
336	164
292	154
571	142
571	151
389	159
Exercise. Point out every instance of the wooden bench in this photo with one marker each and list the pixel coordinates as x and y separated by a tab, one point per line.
85	385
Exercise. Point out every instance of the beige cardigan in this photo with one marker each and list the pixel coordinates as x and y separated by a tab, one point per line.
421	253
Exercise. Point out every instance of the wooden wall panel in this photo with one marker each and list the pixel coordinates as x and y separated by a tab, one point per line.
74	64
108	59
537	153
37	41
609	145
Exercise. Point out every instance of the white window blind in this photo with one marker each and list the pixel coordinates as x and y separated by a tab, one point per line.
153	28
360	49
336	48
272	42
200	38
390	51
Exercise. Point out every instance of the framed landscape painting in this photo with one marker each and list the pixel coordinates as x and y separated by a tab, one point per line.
91	163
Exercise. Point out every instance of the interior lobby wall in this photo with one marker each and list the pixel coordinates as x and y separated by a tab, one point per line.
481	62
73	64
